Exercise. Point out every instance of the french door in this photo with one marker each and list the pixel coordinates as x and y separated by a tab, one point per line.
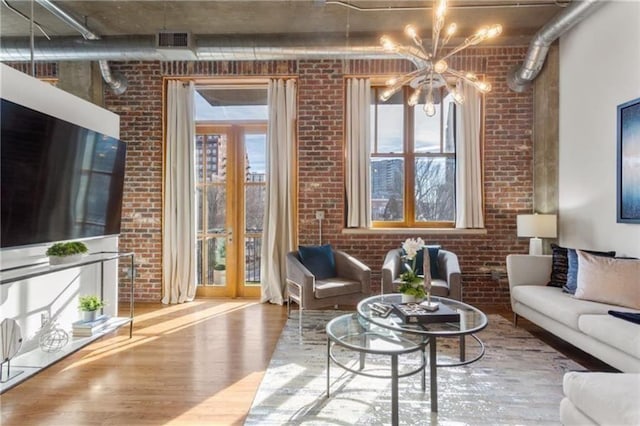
230	194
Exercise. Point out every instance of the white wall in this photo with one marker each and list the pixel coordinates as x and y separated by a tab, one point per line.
55	294
599	69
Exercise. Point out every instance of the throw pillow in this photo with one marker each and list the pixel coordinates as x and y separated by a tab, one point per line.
560	264
572	273
608	280
318	260
433	261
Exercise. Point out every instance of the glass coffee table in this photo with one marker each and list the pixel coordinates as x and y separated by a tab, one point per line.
353	333
472	320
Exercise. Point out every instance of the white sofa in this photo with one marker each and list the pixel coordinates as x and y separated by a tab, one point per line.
590	398
584	324
585	402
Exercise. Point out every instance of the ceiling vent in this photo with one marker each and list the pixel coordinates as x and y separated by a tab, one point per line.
175	45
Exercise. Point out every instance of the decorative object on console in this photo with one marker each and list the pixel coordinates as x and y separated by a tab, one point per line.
68	252
10	343
628	191
52	337
89	306
536	226
432	70
89	328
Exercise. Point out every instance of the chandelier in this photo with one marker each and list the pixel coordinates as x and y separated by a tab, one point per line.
433	71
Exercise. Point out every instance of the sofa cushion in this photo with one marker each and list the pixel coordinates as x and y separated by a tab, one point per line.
607	398
612	331
560	264
336	287
318	260
608	280
552	302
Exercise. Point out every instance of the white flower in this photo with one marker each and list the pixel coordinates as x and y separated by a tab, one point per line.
411	247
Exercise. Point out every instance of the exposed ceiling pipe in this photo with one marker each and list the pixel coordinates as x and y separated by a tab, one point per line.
116	81
520	78
207	48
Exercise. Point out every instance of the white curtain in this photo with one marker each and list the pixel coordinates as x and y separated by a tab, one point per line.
358	129
469	212
179	209
279	222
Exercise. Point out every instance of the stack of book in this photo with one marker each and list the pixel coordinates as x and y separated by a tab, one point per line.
89	328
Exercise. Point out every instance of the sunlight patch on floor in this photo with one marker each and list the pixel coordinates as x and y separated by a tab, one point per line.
241	392
113	345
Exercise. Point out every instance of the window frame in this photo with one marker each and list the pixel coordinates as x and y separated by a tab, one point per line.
409	157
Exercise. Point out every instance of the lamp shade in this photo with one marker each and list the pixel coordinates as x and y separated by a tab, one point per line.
537	225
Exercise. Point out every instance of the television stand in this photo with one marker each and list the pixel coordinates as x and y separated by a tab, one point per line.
36	360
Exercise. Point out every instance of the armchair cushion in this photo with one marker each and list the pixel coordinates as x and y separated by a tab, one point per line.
319	260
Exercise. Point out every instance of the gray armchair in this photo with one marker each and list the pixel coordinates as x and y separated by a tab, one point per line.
449	283
351	284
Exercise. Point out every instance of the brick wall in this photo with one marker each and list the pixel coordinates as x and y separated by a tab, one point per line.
508	183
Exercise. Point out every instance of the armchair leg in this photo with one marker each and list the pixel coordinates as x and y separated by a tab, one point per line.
515	319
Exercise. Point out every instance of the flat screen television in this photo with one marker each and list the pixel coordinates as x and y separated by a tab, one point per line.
59	181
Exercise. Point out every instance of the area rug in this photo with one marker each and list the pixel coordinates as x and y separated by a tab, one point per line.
517	382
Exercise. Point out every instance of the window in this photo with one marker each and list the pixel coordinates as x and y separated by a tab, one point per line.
412	162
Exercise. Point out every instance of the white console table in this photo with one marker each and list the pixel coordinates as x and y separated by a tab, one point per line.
36	360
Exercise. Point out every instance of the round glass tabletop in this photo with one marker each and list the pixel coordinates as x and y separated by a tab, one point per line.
471	319
354	332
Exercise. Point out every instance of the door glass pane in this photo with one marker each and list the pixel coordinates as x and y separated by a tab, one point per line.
216	206
252	260
216	151
387	194
218	261
199	209
390	123
199	159
254	207
255	157
199	261
434	189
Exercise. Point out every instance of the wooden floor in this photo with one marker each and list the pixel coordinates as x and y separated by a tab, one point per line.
191	364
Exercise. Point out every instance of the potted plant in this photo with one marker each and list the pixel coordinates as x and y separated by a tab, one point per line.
68	252
89	306
412	286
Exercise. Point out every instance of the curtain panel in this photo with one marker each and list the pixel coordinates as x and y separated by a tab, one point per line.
358	150
179	209
278	236
469	212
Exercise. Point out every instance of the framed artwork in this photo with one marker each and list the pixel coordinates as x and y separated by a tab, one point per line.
629	162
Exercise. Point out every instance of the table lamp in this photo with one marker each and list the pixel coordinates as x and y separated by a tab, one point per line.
537	226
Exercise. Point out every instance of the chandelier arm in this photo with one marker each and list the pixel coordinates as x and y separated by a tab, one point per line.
411	52
457	49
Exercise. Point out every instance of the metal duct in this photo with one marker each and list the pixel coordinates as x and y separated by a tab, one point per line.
208	48
116	82
520	78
